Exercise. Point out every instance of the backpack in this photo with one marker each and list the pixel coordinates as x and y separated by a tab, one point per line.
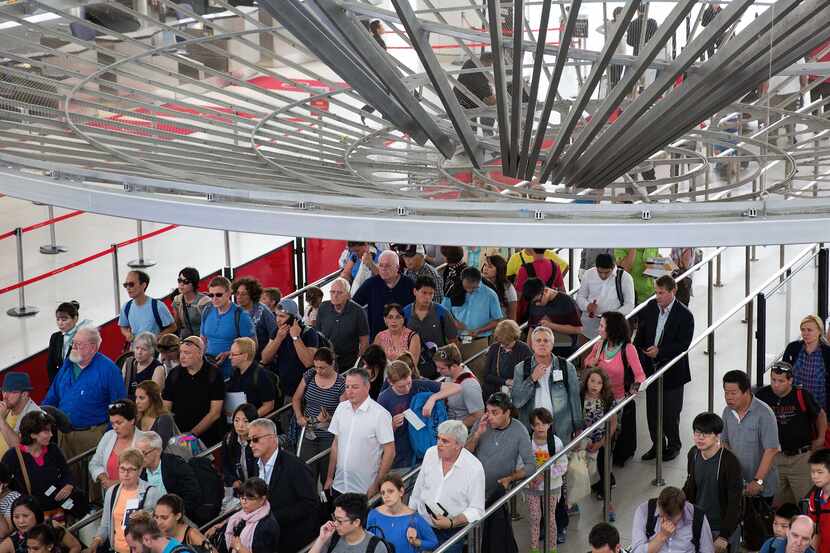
554	271
423	439
213	491
697	522
810	506
154	305
618	285
273	381
183	548
371	547
799	394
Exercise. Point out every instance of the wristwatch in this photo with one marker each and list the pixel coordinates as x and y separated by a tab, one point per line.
760	482
295	338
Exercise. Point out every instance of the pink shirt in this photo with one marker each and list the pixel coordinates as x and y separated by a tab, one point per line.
614	367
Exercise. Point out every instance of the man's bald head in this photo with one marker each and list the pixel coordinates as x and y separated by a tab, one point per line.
800	534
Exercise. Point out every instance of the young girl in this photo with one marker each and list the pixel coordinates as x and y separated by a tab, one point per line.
598	399
545	444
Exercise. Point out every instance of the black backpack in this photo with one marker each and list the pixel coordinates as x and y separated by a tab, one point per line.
273	380
697	523
154	305
618	284
212	487
373	542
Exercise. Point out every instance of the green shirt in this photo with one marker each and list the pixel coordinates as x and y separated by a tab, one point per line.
76	370
643	285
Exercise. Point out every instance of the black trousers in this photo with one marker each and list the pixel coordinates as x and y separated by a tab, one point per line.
672	406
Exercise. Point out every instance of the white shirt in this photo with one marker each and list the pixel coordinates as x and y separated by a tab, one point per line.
360	434
266	469
592	287
542	397
460	491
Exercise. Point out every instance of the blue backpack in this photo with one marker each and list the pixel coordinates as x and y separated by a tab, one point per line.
423	439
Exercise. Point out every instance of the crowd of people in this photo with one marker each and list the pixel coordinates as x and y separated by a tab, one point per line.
416	359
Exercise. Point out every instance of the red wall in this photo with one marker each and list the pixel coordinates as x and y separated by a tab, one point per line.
275	268
322	257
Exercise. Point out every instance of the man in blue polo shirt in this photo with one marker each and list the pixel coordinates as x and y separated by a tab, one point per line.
476	306
389	286
83	388
222	323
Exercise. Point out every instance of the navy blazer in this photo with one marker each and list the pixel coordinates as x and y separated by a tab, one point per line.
676	338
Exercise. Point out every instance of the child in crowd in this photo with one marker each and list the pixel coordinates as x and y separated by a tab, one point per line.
818	500
545	445
781	520
597	400
314	297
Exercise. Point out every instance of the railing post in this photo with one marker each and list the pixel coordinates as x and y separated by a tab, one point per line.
747	281
116	280
300	269
22	310
781	255
546	514
227	270
606	473
658	476
141	262
52	247
718	263
474	540
710	340
823	276
570	268
761	340
749	327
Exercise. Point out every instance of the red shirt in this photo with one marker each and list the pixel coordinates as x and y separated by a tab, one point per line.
817	504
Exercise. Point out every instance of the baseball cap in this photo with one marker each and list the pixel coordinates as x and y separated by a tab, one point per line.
409	250
289	307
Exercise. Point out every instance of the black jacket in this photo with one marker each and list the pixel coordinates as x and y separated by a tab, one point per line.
178	478
292	493
54	358
266	536
231	456
793	350
730	489
677	335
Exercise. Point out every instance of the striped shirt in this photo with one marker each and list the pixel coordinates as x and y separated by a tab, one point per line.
316	397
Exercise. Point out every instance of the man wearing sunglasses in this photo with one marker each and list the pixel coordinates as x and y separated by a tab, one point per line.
292	491
141	312
801	427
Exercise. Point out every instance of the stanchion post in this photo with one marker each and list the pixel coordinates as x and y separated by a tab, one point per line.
546	514
710	340
300	269
22	310
823	276
570	268
116	280
52	247
749	326
658	475
227	270
141	262
747	281
606	473
761	340
718	263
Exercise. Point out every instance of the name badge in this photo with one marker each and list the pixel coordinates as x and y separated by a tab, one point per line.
557	375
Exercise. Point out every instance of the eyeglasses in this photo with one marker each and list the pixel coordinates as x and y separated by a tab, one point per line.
128	284
147	452
127	469
256	439
216	295
340	520
246	498
232	354
781	367
183	281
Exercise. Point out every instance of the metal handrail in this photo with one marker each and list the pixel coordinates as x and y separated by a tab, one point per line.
613	412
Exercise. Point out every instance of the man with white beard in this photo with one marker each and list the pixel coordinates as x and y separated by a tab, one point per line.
85	385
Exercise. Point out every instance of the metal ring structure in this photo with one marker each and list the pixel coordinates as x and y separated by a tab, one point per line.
233	119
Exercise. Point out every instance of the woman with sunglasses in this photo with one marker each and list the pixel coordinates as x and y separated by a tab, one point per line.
253	529
402	526
103	467
188	303
128	495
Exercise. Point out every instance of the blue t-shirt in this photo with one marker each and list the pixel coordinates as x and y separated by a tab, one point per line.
142	318
479	308
375	294
220	331
394	530
172	543
396	405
